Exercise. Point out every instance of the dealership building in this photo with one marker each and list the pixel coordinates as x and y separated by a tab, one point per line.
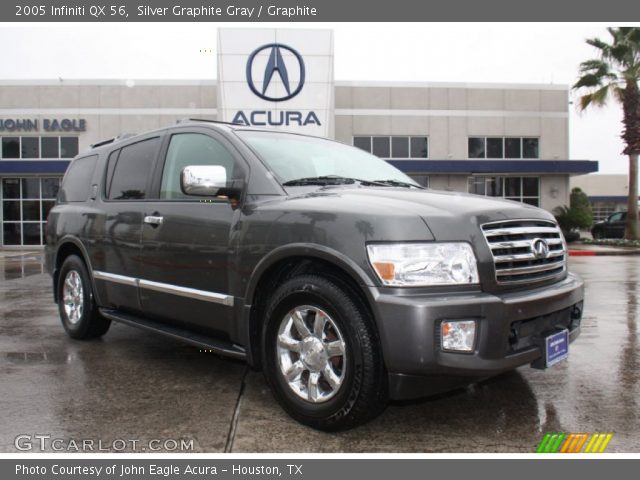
505	140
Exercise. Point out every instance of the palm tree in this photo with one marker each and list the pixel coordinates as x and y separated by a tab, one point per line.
616	73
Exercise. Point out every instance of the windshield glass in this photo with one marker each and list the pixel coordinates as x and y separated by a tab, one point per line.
293	157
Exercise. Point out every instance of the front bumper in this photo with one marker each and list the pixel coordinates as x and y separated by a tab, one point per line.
509	327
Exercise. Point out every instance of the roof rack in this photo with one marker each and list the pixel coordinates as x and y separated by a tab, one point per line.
184	120
117	138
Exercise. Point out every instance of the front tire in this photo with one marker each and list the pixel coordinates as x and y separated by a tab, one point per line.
78	311
321	354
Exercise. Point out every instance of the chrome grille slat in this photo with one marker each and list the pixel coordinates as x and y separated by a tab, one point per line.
525	256
511	244
522	243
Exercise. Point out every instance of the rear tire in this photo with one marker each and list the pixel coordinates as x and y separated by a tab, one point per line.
78	311
597	234
321	355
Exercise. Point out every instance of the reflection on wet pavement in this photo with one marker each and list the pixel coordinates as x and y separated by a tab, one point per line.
20	264
133	385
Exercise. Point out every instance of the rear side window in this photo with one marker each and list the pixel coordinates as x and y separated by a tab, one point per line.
132	170
77	181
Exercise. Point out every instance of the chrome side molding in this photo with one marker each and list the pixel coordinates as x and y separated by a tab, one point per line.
196	294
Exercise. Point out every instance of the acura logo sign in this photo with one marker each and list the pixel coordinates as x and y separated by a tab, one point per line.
276	65
539	248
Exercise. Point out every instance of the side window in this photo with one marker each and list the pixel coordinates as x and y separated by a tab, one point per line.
192	149
77	181
616	217
132	170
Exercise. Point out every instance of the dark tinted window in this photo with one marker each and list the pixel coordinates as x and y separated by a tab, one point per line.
512	148
362	142
400	147
132	170
530	148
530	186
50	147
50	187
476	147
77	181
381	147
10	147
494	147
30	147
68	147
10	188
31	187
419	147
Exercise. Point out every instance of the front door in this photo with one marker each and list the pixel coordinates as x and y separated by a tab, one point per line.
187	249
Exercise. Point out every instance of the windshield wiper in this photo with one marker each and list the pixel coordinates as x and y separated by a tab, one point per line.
398	183
331	180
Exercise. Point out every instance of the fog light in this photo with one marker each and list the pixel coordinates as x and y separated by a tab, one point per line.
458	335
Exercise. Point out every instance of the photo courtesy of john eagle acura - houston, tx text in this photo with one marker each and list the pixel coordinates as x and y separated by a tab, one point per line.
253	234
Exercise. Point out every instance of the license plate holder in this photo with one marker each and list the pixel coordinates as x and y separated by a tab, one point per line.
556	347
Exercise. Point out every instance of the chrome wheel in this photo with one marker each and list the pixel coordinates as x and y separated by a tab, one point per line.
311	353
73	296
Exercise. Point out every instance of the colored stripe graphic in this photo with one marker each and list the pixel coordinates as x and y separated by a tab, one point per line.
559	442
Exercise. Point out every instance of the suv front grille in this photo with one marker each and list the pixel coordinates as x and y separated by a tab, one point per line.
525	250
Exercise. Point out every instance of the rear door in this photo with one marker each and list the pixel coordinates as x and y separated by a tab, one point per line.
116	254
187	242
616	225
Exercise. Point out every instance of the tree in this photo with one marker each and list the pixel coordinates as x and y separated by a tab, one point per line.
577	215
616	73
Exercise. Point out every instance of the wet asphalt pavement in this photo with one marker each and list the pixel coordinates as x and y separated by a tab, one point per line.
133	385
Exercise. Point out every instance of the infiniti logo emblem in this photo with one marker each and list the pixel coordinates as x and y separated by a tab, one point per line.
276	65
539	248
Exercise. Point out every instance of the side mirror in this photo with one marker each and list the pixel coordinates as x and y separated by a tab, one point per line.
203	180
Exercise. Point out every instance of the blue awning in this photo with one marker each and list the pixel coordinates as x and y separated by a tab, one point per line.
570	167
31	167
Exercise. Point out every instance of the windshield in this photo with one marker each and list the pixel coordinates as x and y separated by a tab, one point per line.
293	157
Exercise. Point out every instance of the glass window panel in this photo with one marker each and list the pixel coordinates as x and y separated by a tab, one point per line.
11	210
50	147
133	169
493	186
10	147
11	233
512	148
419	147
30	147
47	205
421	179
400	147
477	185
31	210
494	148
30	187
381	147
476	147
362	142
531	201
77	181
10	188
512	187
192	149
68	147
530	187
530	148
50	187
31	233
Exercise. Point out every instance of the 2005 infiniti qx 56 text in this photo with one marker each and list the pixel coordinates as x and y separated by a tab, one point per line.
346	282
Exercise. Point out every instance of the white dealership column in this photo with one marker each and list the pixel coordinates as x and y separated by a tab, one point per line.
280	78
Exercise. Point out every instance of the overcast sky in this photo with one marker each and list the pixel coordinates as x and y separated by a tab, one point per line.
495	52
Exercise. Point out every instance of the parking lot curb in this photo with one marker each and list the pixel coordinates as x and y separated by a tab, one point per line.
600	253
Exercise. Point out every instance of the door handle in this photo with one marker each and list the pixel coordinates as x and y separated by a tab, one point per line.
153	220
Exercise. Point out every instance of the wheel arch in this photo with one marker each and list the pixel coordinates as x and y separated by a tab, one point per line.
70	245
290	261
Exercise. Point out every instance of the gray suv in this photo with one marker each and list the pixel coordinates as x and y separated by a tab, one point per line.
343	280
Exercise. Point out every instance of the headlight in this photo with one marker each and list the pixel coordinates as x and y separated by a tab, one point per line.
422	264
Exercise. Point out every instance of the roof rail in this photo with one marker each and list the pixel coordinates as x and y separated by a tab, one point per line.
117	138
184	120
